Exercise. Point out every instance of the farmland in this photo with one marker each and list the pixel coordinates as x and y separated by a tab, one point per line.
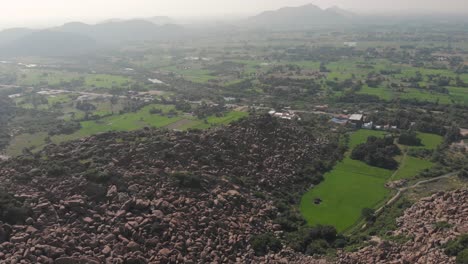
353	185
125	122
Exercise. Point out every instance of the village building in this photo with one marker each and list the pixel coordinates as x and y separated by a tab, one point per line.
288	115
357	120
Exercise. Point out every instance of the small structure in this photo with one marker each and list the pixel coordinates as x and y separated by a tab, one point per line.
339	121
357	120
369	125
321	107
350	44
288	115
13	96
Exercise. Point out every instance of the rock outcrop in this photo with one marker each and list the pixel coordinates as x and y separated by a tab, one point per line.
155	196
421	225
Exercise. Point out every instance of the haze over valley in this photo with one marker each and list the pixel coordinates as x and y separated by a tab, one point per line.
144	132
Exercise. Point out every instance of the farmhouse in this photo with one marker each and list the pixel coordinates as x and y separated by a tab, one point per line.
357	120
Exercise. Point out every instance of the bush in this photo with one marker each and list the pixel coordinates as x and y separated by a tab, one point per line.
56	170
65	128
462	257
455	247
188	180
93	175
11	210
155	111
368	214
264	243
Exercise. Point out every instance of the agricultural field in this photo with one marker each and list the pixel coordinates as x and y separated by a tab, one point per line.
63	79
353	185
126	122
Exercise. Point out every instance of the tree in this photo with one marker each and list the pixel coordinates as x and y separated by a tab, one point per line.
409	138
368	214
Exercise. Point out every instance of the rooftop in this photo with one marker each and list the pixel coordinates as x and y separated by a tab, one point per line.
356	117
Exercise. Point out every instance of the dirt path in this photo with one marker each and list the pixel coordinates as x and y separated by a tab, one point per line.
401	190
179	124
402	163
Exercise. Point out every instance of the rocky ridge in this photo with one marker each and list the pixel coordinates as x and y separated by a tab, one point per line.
155	196
425	237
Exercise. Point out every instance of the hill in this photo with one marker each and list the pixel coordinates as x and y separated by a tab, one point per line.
9	35
77	38
48	43
301	17
138	197
123	31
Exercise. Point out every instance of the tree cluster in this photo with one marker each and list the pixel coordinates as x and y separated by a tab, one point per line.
377	152
409	138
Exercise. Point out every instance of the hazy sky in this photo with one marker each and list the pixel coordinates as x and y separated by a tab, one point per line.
52	12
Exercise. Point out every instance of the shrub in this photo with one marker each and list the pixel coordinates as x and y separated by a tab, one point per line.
93	175
368	214
188	180
56	170
454	247
462	257
11	210
264	243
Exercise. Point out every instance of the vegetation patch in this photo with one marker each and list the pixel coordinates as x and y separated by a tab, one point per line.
349	188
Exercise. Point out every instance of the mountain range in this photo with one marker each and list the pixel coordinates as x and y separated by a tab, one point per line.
302	17
76	37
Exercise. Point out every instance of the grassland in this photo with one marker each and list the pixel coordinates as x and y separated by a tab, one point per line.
193	74
429	141
215	121
124	122
353	185
411	167
350	187
32	77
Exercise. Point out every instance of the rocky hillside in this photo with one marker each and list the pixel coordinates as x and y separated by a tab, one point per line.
155	196
428	225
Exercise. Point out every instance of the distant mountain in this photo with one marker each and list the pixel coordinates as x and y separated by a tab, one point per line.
77	37
300	17
123	31
160	20
342	12
157	20
12	34
48	43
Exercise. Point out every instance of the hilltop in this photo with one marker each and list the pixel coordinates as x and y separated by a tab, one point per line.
156	195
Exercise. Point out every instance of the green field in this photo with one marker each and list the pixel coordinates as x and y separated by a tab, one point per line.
410	167
216	121
58	78
361	136
192	74
350	187
353	185
125	122
429	141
